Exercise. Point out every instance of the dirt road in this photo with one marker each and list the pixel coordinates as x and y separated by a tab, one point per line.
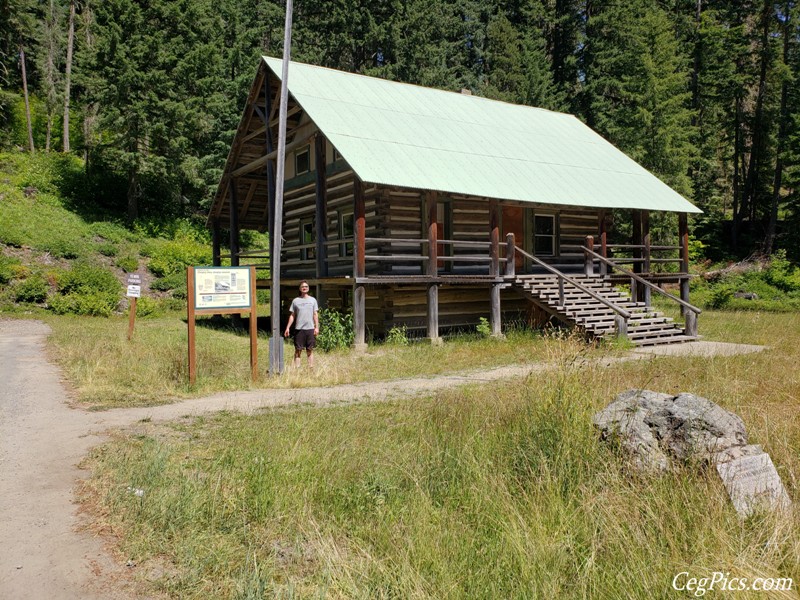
43	553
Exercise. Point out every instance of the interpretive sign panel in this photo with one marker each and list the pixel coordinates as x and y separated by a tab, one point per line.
221	291
221	288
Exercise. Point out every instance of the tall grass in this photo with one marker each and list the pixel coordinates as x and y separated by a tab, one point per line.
107	370
497	491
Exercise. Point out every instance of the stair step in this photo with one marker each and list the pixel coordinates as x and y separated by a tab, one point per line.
673	340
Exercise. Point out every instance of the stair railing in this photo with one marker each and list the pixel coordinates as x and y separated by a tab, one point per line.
621	316
690	311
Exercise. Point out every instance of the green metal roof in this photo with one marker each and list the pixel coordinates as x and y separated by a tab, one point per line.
405	135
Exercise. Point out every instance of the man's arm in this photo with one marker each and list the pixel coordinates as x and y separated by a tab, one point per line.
316	322
289	324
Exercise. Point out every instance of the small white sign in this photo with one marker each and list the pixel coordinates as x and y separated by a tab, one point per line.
134	291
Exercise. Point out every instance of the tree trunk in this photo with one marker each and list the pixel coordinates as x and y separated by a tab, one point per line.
769	239
751	182
68	72
27	100
133	194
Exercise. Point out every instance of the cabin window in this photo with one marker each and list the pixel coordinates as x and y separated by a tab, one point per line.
346	232
307	237
302	161
544	235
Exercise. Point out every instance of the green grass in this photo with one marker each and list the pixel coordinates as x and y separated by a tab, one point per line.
496	491
109	371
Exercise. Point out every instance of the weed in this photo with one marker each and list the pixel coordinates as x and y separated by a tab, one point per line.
484	328
397	336
335	329
33	289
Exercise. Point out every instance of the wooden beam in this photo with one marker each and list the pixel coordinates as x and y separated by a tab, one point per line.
359	267
215	242
248	199
683	233
646	253
431	199
603	230
292	112
234	223
321	205
302	135
494	238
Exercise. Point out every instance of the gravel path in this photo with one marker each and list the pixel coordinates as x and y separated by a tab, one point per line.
45	552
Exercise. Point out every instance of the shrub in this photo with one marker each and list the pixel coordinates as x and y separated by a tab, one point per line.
398	336
175	283
173	256
720	297
107	248
112	232
86	278
128	263
87	290
32	289
93	304
9	267
781	273
147	307
335	329
484	328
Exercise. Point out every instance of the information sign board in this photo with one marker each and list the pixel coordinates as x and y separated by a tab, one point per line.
221	288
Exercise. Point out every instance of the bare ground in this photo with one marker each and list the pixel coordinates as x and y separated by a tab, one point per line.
46	550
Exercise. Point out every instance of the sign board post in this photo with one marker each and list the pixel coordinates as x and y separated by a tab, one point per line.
134	292
221	291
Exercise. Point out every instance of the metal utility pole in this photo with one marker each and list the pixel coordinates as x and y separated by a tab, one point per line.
276	364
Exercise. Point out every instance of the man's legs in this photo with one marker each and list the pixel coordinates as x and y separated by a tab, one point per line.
297	352
310	355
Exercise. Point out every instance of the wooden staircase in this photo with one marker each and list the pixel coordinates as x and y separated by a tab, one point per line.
646	327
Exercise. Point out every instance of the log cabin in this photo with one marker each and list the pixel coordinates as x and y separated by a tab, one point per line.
432	209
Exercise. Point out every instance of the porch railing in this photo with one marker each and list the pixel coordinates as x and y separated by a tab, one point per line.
690	312
621	316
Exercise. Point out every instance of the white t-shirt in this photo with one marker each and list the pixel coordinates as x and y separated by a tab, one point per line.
303	310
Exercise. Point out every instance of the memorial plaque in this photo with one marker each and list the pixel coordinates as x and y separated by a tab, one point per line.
753	482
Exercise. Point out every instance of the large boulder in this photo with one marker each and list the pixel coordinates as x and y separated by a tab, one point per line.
660	429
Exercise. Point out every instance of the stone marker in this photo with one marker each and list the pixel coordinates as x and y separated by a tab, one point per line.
660	430
753	482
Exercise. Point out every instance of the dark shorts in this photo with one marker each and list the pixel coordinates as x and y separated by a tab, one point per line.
304	339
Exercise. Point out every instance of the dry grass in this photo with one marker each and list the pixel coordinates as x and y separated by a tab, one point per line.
502	491
108	371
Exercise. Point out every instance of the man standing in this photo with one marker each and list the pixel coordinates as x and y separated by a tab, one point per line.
304	313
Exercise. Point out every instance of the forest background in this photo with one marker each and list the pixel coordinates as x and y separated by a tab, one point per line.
704	93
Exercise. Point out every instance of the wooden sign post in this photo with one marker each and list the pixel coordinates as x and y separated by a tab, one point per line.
221	291
134	292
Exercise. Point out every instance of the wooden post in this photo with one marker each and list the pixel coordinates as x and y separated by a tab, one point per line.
253	326
637	252
433	268
131	316
683	232
588	259
234	222
494	269
215	242
620	326
511	255
561	298
603	242
321	206
360	266
646	253
690	324
190	323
